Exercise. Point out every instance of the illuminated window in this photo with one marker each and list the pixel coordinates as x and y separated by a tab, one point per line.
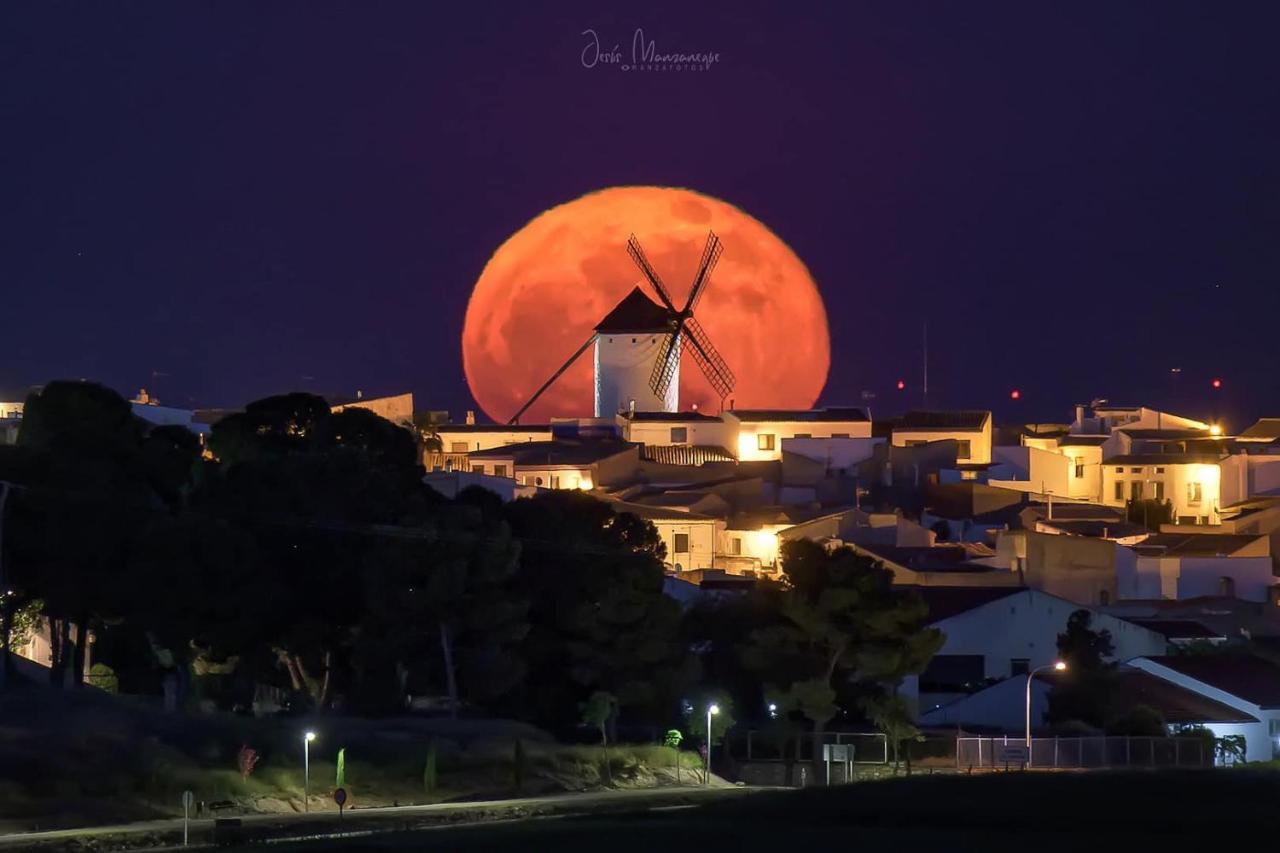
1194	494
764	441
682	543
679	435
962	449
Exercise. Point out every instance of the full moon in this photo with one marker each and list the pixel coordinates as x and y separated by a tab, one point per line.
546	287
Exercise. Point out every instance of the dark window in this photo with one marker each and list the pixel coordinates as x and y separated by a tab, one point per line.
679	435
499	470
953	673
1104	597
682	543
1135	490
1079	469
1019	666
839	435
1135	470
537	481
1159	491
1227	587
803	435
1119	490
735	546
1119	470
962	449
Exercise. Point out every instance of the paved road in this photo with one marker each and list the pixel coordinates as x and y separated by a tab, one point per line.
319	824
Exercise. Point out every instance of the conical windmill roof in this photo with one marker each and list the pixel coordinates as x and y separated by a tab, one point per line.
636	313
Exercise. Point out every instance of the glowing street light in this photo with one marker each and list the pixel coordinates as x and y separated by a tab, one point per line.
773	711
306	770
713	708
1058	666
1215	429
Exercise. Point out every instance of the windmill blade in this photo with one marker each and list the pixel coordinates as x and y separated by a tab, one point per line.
637	255
545	385
664	367
708	357
710	257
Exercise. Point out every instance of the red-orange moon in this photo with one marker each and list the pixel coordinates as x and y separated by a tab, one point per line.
547	286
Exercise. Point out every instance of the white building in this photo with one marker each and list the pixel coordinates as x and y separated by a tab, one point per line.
682	429
1190	481
970	430
1247	684
628	343
10	422
758	433
1182	566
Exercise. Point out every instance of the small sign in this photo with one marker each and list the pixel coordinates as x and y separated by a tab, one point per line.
837	752
340	797
1013	753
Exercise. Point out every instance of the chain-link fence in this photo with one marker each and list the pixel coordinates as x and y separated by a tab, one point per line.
1082	753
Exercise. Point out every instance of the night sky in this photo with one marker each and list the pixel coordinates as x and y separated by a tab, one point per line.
246	198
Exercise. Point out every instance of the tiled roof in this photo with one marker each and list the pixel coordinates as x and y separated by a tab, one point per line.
1250	678
919	421
1176	704
836	414
684	454
636	313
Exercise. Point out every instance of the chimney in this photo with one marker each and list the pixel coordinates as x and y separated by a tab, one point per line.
631	407
1080	415
471	418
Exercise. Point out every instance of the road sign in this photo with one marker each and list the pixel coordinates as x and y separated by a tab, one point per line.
340	796
837	752
1013	753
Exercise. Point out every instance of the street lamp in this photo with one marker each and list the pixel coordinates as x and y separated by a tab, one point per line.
713	708
306	770
1057	666
773	710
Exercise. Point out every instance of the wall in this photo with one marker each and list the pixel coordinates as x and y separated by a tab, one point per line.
450	483
1246	476
835	453
1072	567
1001	707
658	433
979	441
748	432
397	409
702	541
1179	578
1088	486
1176	478
1034	470
623	364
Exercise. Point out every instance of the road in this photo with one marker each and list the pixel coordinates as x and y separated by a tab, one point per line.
398	818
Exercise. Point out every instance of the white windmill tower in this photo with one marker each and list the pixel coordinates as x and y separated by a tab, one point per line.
639	343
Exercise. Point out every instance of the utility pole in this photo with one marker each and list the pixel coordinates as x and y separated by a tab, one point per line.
5	603
926	364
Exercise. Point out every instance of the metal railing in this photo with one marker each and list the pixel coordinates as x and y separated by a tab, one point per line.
1084	753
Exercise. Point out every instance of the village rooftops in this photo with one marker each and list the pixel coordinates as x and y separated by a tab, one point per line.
959	421
831	414
567	452
1195	544
1144	434
938	558
1250	678
1095	529
636	313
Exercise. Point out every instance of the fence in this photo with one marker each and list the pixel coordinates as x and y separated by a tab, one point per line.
1084	753
868	747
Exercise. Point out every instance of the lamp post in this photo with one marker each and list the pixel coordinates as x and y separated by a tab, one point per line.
306	770
1057	666
713	708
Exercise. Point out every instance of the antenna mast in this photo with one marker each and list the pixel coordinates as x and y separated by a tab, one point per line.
926	364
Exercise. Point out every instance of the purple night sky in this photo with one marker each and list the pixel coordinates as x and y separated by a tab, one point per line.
254	197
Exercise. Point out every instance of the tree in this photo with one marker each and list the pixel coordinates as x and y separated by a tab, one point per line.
598	712
842	623
890	714
598	617
1086	692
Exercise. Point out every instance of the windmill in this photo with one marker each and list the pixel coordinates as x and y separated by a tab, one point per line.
639	344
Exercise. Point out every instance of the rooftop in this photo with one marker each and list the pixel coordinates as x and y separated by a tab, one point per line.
674	417
1264	430
483	428
1178	629
947	601
920	421
1079	440
1195	544
1176	704
830	414
1095	528
636	313
1250	678
1162	434
939	558
1164	459
685	454
559	452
